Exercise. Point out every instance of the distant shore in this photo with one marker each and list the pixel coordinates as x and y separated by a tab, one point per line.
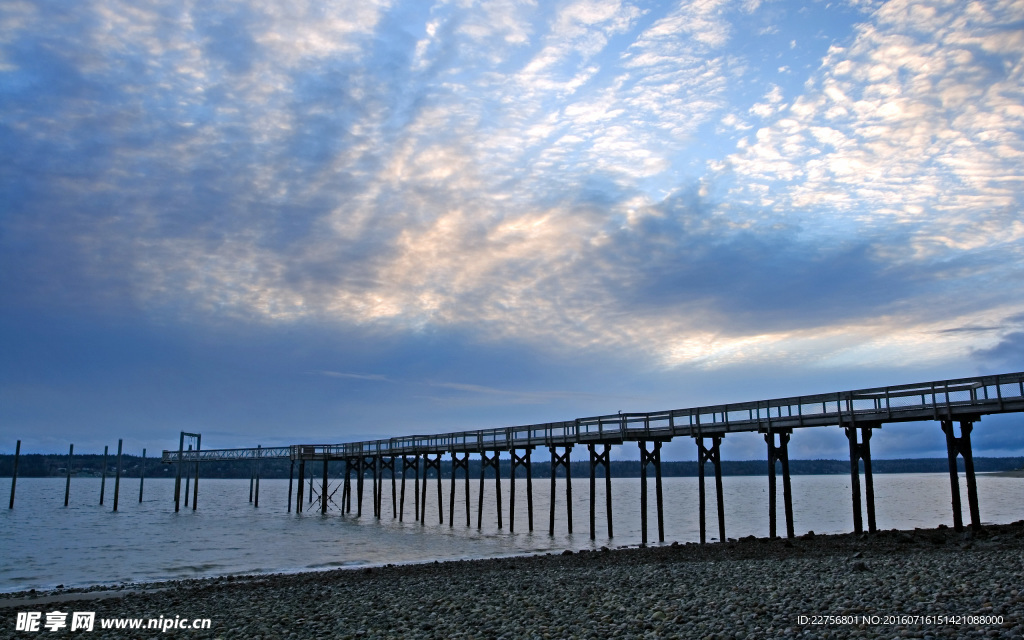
934	583
1015	473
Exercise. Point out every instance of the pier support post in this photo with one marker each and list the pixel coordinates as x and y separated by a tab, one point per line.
195	483
188	479
291	481
252	481
302	483
410	462
103	476
714	456
962	446
67	484
561	461
346	487
459	463
259	455
142	474
117	476
779	453
429	464
604	460
520	461
390	465
440	503
861	451
177	477
14	475
323	489
652	457
360	481
493	462
378	484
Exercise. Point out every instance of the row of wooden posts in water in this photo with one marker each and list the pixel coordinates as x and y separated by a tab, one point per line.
778	454
103	476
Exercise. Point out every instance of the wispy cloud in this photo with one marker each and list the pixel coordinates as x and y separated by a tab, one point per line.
372	377
578	176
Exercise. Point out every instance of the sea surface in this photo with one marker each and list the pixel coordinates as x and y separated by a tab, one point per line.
44	544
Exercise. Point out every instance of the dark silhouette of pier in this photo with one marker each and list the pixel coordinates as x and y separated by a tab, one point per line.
957	405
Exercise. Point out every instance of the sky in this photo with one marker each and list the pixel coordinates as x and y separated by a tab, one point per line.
320	222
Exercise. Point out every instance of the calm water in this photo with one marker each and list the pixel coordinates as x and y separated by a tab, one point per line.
43	544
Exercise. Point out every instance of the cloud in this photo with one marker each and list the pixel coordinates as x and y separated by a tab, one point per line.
371	377
520	174
908	126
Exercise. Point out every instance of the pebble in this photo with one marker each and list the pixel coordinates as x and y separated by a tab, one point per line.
752	588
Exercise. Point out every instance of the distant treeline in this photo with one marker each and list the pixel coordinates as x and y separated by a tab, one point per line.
51	465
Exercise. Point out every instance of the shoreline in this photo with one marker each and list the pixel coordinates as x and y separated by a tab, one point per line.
611	593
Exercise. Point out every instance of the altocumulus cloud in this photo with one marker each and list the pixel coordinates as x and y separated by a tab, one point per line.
570	175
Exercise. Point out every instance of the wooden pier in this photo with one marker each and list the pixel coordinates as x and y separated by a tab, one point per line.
958	403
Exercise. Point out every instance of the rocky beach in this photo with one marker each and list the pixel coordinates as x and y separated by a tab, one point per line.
934	583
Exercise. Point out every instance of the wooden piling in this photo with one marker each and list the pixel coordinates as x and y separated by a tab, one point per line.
302	483
346	488
494	463
401	502
779	453
851	436
177	477
972	484
256	501
117	477
652	457
520	461
323	491
459	463
858	452
67	483
440	506
388	464
563	461
410	462
142	474
568	490
188	479
376	486
428	465
360	483
14	475
291	477
869	485
416	485
593	490
787	487
195	483
480	498
551	517
103	477
529	488
961	446
713	455
602	459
